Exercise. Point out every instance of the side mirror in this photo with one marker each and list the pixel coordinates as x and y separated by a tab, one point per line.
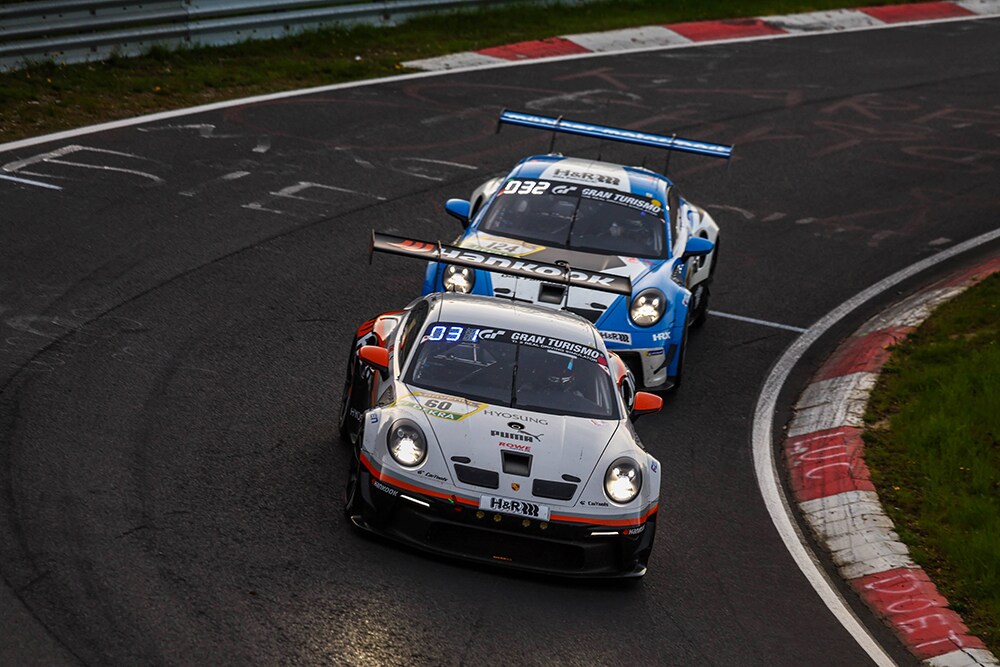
697	247
376	358
459	209
645	404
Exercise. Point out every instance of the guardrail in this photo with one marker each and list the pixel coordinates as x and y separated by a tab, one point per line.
71	31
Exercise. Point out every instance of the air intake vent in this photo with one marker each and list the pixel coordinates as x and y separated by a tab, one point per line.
489	479
544	488
515	463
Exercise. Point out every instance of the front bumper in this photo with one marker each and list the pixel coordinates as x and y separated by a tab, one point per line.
452	529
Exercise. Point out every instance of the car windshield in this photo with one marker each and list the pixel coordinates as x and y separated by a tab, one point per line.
514	369
578	217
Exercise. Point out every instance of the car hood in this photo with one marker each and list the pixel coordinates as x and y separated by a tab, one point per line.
558	445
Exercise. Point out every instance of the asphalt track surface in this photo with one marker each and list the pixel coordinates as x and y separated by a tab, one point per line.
176	318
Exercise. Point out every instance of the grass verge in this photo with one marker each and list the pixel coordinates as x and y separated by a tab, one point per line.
51	97
933	447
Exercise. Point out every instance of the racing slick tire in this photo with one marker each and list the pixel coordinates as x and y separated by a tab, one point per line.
352	491
675	381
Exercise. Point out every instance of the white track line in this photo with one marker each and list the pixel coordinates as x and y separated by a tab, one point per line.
765	466
26	181
741	318
179	113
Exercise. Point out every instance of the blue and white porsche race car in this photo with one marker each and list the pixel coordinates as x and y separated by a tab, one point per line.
587	214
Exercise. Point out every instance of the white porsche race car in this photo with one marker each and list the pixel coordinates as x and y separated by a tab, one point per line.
499	432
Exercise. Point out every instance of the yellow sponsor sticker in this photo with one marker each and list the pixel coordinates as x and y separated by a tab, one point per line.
442	406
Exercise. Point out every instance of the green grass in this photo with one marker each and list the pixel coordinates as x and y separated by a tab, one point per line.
933	446
50	97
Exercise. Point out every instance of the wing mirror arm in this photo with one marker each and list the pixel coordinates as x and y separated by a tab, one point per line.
375	358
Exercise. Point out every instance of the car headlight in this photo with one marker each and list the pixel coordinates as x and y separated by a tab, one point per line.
648	307
407	444
459	278
623	481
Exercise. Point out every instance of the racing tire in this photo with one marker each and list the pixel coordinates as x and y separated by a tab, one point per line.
681	353
352	490
699	298
344	423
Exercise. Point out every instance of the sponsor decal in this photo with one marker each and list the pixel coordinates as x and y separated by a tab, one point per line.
585	176
617	337
658	352
521	437
504	264
356	414
622	199
564	189
501	246
373	418
518	507
517	446
431	475
517	426
549	343
594	503
634	531
492	412
441	406
663	335
654	466
384	488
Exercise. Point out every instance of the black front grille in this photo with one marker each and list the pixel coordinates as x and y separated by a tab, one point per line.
489	479
544	488
505	547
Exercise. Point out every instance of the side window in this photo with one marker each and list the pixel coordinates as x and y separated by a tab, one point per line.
413	325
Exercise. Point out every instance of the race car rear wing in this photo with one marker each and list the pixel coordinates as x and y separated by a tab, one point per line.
562	272
673	143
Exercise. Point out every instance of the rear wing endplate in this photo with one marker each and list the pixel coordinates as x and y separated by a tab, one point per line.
673	143
562	272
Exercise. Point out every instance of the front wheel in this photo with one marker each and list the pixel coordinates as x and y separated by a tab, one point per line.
347	425
352	492
681	353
